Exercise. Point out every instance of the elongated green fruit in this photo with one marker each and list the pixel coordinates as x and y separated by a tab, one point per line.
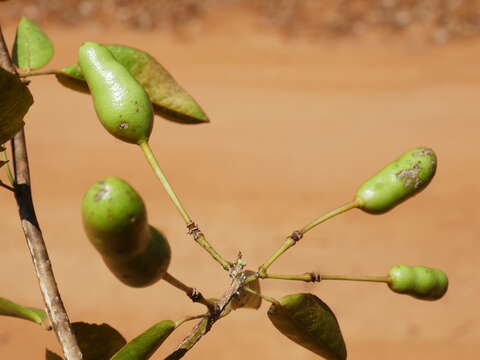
121	103
145	344
308	321
169	99
115	221
398	181
418	281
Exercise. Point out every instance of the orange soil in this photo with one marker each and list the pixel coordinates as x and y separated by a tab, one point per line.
295	129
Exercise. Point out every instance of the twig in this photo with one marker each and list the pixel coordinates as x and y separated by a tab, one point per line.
202	327
48	286
192	293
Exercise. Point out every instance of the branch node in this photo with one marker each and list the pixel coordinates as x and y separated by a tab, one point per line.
194	230
195	295
315	277
297	235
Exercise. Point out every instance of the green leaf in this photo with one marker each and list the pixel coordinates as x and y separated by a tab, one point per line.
15	100
169	99
309	322
9	308
50	355
247	300
32	49
97	342
145	344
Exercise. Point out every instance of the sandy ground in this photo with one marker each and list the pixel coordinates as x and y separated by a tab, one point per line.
295	128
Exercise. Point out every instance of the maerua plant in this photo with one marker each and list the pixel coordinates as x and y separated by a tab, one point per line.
128	87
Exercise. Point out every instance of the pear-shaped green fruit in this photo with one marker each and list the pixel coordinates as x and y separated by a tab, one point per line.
115	221
145	344
169	99
398	181
418	281
121	103
308	321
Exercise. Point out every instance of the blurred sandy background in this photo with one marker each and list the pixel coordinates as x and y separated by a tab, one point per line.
301	113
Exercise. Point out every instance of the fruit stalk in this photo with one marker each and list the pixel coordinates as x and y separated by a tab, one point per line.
193	230
297	235
192	293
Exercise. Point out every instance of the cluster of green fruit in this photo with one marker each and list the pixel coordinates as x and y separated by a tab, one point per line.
116	222
128	87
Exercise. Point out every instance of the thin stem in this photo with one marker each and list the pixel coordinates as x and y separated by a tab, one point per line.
289	242
10	178
192	293
192	227
188	318
264	297
303	277
38	73
344	208
36	245
383	279
2	184
314	277
204	325
163	179
297	235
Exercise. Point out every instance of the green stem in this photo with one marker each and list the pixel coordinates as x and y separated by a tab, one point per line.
313	277
344	208
193	294
302	277
10	178
38	73
163	179
264	297
382	279
188	318
297	235
197	234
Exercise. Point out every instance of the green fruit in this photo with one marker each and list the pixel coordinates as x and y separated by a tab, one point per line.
121	103
115	221
144	345
169	99
308	321
398	181
418	281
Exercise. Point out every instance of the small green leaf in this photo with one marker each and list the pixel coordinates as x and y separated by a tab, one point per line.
145	344
32	49
50	355
15	100
97	342
309	322
169	99
9	308
245	299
